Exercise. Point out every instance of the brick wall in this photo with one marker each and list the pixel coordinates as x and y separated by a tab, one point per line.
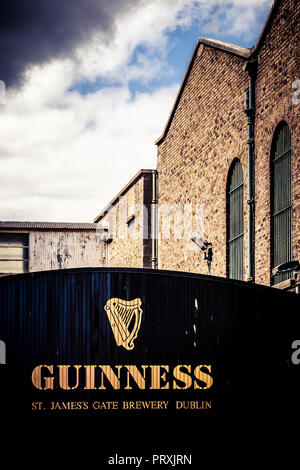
278	68
208	130
207	133
128	218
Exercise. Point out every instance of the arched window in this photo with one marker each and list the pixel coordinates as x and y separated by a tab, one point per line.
281	199
235	222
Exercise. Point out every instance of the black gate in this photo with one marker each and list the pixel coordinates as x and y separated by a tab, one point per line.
154	344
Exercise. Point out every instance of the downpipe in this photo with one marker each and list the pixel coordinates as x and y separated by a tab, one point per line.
250	67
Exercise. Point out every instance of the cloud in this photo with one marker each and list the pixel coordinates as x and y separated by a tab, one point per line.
233	17
71	161
65	155
34	31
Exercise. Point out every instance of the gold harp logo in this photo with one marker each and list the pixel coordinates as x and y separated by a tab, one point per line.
125	319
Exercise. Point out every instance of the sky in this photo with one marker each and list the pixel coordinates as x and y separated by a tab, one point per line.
89	85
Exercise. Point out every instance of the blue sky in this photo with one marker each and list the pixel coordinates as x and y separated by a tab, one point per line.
181	43
81	120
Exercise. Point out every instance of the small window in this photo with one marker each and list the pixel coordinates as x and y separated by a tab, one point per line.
13	253
281	199
235	222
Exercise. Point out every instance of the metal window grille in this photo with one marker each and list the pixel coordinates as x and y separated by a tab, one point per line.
13	253
235	221
281	199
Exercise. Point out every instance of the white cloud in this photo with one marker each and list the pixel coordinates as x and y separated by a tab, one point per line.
233	17
64	156
145	26
71	161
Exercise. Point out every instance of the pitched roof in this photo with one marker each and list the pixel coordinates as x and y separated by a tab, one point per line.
226	46
214	43
265	28
133	180
242	52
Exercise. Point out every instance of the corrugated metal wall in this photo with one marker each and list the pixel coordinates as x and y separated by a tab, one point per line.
65	249
57	317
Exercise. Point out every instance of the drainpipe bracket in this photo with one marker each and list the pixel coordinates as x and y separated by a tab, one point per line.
249	112
250	66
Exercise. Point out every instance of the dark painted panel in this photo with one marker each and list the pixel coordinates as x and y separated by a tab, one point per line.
243	331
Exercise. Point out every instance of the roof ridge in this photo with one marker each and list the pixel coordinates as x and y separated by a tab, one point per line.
6	224
239	51
226	46
132	181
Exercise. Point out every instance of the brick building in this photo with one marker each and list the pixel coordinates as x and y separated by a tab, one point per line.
126	222
230	146
227	177
232	143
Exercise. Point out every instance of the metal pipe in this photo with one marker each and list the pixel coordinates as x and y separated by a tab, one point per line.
250	67
250	200
154	227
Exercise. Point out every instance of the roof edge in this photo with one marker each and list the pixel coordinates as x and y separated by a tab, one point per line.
27	225
178	96
263	32
133	180
241	52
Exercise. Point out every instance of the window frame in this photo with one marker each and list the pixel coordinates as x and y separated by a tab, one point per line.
240	236
274	213
25	261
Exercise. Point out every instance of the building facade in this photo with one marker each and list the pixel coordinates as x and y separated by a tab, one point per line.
39	246
228	160
126	223
232	144
225	197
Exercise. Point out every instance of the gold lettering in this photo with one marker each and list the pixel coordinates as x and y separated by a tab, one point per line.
156	375
137	376
37	378
108	372
64	377
182	377
203	377
90	377
69	377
